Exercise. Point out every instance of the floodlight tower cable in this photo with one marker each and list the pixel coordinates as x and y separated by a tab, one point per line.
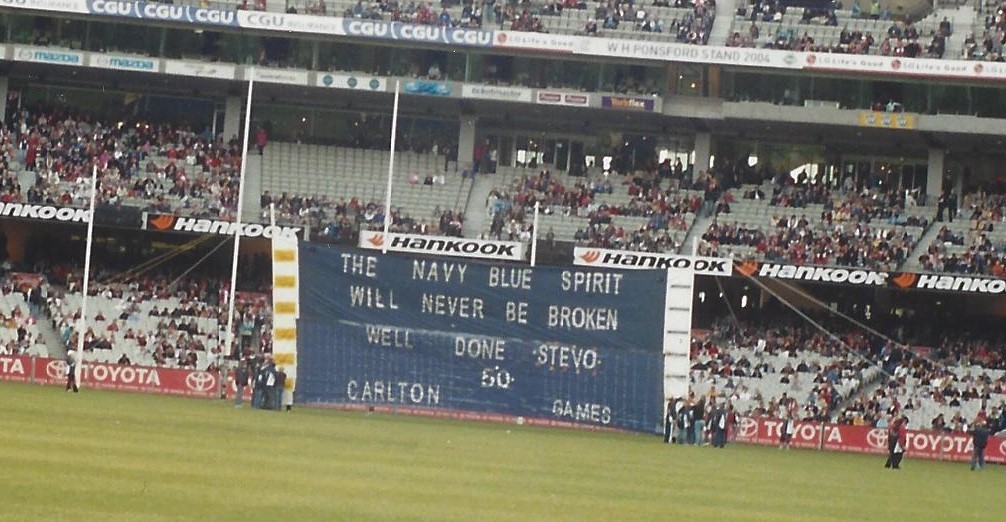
730	307
831	335
810	297
159	260
197	263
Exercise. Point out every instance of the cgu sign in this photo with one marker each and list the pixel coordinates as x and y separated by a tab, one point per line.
417	33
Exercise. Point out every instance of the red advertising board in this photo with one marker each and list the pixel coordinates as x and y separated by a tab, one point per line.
106	376
16	368
866	439
766	431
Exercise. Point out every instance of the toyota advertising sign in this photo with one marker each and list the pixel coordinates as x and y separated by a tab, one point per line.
922	444
107	376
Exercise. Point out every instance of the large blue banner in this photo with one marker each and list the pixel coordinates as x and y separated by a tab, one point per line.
557	344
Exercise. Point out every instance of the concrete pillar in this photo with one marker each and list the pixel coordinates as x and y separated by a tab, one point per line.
466	141
703	151
233	117
934	175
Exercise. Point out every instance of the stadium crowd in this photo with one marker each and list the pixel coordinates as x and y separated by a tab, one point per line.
780	370
867	228
989	46
978	249
339	219
665	210
795	372
165	168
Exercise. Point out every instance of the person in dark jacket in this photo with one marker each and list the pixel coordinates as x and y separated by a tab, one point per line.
719	426
277	389
241	377
669	418
979	439
71	370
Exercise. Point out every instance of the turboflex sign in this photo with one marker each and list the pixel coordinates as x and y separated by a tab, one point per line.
442	245
168	222
602	257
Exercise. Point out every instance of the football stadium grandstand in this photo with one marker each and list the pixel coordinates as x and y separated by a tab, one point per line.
844	159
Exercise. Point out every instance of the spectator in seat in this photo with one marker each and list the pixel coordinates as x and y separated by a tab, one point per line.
261	139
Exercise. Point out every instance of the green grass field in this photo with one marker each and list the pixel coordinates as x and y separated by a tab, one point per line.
116	456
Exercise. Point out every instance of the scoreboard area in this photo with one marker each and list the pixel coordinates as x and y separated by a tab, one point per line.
457	337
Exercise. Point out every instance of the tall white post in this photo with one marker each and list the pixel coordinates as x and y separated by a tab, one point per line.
534	234
391	168
82	326
237	219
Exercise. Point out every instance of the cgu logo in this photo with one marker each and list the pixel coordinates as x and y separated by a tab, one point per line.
381	30
470	37
266	20
114	8
214	16
164	11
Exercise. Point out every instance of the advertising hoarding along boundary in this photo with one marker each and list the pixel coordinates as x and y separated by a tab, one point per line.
107	376
16	368
575	344
925	444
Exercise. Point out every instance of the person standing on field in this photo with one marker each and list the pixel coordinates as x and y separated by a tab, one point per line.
669	415
979	440
71	370
241	377
896	441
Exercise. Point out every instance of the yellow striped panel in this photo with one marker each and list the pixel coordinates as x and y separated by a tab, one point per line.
285	281
284	359
285	254
285	334
289	384
286	307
